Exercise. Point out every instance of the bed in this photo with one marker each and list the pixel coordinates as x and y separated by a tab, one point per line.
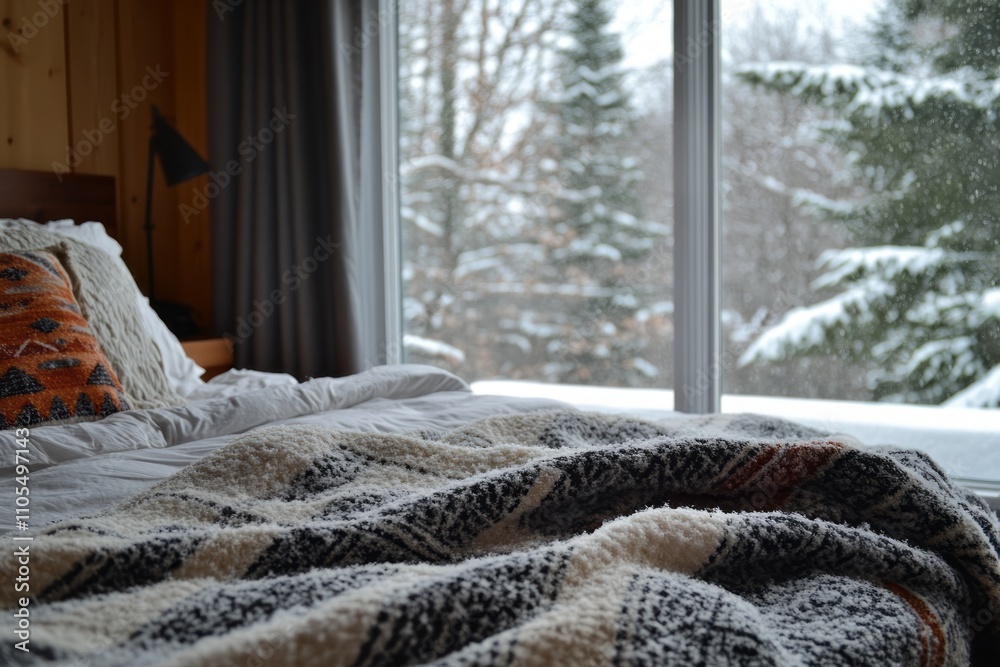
396	518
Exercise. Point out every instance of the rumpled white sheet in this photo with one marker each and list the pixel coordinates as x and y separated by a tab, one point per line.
239	381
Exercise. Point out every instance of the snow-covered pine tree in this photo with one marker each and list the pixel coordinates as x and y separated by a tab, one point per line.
919	299
598	229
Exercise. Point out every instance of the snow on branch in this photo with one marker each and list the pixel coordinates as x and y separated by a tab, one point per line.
433	161
951	356
433	348
989	304
806	328
543	289
983	393
888	261
437	164
497	256
872	90
807	199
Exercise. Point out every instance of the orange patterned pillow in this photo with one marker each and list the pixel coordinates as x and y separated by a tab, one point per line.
52	368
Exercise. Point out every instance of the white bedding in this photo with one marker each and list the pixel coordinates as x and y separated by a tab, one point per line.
238	381
552	538
83	468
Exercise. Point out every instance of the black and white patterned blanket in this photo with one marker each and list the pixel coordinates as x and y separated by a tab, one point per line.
553	538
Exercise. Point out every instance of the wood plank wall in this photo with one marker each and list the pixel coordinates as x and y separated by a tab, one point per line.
79	80
34	118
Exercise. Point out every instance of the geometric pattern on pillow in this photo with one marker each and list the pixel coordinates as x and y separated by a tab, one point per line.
52	368
106	294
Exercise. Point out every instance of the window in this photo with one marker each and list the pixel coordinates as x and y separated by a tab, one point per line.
535	170
859	182
860	173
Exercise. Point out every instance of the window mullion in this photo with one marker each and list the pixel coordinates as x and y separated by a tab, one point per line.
697	348
391	222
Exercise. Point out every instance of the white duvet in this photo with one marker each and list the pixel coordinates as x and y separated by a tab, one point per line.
83	468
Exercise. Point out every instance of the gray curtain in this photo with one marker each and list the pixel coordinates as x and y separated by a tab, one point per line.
294	143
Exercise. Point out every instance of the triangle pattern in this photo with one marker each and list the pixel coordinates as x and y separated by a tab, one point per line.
84	406
15	382
28	416
58	410
100	376
108	406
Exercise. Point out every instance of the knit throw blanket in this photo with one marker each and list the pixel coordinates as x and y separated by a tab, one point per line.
552	538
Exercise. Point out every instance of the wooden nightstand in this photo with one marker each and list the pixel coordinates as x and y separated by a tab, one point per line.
215	355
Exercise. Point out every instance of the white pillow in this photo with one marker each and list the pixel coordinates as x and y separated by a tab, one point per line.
183	375
91	233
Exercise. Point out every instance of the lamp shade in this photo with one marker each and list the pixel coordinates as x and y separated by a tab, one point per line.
179	161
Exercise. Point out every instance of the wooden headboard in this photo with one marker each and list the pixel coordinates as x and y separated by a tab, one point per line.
43	196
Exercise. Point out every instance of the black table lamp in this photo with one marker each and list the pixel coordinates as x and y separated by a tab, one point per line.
179	162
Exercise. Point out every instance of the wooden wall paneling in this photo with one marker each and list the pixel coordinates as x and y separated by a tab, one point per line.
33	107
91	46
145	48
193	223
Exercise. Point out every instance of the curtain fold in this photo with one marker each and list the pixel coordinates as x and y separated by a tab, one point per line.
294	144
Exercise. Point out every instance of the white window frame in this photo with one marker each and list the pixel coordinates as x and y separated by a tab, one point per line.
392	233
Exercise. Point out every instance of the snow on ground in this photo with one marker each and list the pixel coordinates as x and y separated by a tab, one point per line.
964	441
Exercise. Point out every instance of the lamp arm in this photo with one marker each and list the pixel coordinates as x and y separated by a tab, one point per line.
149	222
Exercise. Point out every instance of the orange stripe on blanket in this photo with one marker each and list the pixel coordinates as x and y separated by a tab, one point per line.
778	470
932	640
